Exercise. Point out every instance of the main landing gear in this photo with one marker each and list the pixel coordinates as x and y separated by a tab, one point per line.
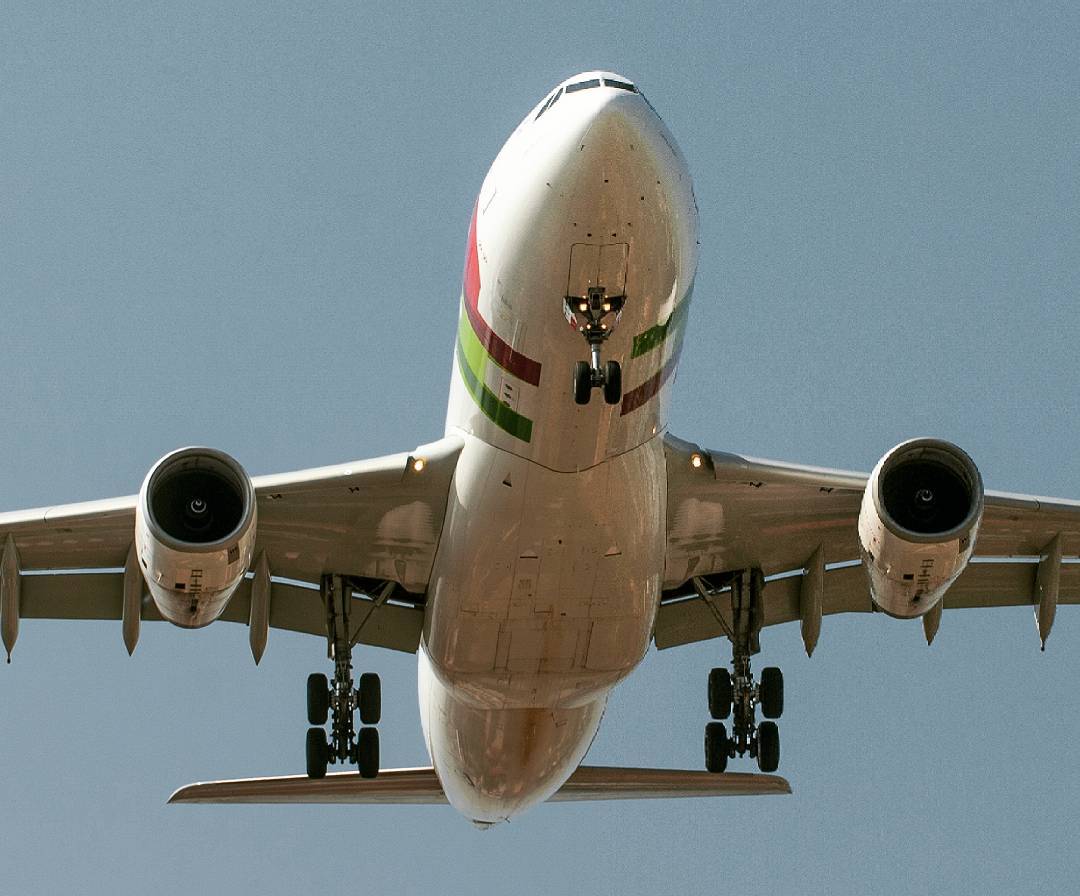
738	695
340	702
588	313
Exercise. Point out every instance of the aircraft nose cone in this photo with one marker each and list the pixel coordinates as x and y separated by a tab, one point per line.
619	117
620	171
618	112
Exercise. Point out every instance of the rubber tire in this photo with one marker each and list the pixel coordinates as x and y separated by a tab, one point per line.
367	752
318	699
768	747
370	698
716	747
612	382
721	693
318	753
771	692
582	382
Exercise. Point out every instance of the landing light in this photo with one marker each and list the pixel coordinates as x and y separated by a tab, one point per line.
419	464
695	460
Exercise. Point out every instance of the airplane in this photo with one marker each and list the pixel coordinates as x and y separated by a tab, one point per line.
532	555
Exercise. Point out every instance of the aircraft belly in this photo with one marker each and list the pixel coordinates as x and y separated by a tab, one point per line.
496	763
546	584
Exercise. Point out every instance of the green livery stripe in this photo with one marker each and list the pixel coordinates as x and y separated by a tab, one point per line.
655	336
472	360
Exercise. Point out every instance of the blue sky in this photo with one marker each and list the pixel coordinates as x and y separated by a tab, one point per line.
242	225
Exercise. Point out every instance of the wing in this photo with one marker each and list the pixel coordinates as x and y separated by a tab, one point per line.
377	519
727	513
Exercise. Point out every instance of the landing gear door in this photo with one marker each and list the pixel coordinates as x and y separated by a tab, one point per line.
613	268
597	266
584	269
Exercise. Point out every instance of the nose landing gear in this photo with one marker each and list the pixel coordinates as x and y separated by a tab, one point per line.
588	313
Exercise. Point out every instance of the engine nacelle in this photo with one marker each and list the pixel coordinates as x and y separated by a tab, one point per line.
917	526
195	533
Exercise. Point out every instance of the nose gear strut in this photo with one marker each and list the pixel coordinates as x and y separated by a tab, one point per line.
588	313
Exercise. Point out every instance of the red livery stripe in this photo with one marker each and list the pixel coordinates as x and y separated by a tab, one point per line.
501	353
636	398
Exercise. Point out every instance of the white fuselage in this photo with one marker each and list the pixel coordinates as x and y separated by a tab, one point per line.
547	579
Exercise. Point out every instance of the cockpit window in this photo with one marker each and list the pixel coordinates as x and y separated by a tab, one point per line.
552	100
582	85
544	107
585	85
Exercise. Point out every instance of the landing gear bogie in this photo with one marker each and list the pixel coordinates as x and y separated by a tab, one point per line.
340	701
737	693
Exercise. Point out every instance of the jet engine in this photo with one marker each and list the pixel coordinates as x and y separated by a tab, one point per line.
195	533
917	526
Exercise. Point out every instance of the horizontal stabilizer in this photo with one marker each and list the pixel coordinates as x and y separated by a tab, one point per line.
420	786
599	782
